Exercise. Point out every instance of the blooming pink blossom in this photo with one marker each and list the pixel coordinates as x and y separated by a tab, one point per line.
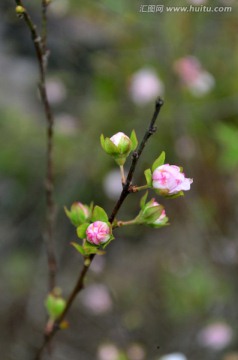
98	233
170	180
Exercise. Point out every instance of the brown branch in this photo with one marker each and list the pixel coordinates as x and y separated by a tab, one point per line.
135	157
126	190
41	54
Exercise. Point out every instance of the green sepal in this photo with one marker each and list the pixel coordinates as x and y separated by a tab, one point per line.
90	248
163	223
110	147
159	161
87	249
148	176
165	193
143	200
81	230
149	215
174	196
102	141
67	212
108	242
134	141
79	248
91	208
99	214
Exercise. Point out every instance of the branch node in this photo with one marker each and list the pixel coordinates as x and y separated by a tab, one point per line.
135	155
37	39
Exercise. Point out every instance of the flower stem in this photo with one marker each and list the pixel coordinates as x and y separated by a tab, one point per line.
125	223
139	188
123	179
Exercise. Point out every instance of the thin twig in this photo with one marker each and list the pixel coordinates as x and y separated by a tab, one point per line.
135	157
41	54
126	190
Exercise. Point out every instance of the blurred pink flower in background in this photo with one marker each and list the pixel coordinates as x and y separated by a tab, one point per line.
198	81
56	91
145	86
66	124
108	352
112	184
98	264
216	336
185	147
96	299
136	352
59	7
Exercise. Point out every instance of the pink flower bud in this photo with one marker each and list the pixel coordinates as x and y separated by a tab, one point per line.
78	214
161	217
98	233
170	180
122	141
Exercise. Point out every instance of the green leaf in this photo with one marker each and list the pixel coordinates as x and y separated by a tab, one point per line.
134	140
79	248
81	230
99	214
159	161
148	176
143	200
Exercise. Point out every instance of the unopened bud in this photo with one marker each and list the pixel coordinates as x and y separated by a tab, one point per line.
20	10
87	262
55	304
119	146
78	213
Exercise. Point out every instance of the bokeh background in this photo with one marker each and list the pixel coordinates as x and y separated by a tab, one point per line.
155	292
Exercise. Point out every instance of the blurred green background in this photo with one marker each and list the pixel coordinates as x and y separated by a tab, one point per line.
155	292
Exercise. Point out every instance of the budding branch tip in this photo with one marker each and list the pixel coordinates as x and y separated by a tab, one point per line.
159	102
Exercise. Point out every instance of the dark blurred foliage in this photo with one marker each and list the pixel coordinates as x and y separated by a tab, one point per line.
165	285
